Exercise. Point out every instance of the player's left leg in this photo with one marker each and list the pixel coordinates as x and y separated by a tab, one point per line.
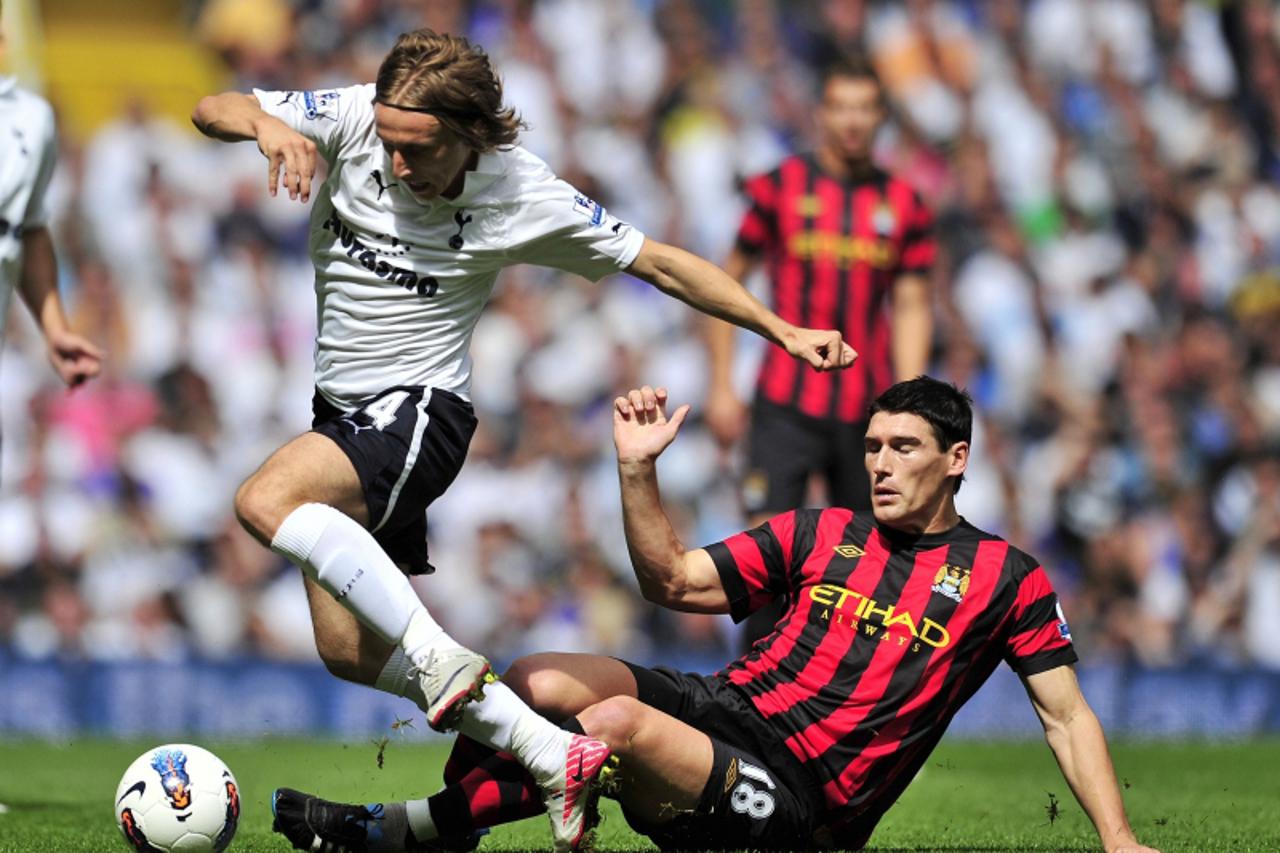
848	483
666	761
484	787
692	790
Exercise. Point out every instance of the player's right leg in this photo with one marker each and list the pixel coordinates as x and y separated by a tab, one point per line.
560	685
776	481
307	503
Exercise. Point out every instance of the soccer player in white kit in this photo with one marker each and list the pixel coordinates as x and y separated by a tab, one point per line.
428	197
28	150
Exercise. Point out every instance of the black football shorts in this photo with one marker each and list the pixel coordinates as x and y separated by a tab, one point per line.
786	447
407	445
757	798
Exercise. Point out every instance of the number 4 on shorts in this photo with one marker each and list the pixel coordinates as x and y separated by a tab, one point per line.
382	411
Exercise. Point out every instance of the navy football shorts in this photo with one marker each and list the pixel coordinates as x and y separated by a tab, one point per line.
785	448
407	445
757	798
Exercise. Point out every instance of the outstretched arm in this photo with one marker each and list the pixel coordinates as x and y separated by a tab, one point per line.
237	117
1075	736
706	287
668	574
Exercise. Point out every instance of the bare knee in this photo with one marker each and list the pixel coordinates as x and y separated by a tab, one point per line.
259	509
536	680
615	721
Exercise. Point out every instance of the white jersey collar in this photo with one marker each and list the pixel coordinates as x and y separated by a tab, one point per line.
488	169
7	85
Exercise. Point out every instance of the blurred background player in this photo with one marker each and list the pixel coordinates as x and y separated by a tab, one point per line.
28	150
427	198
845	244
894	619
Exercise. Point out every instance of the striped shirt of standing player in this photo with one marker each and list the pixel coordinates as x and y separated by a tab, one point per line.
28	152
885	637
369	231
834	249
842	241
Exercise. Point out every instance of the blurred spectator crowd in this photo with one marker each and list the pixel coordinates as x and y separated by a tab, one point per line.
1105	177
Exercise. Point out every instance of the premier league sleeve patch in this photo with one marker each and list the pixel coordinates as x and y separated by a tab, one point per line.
1064	631
317	104
592	210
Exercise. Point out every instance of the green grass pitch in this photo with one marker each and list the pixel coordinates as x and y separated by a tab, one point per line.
970	796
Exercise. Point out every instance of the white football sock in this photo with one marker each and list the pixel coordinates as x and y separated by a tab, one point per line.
500	720
422	635
344	558
421	823
396	680
503	721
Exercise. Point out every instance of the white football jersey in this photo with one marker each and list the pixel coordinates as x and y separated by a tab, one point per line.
28	150
400	281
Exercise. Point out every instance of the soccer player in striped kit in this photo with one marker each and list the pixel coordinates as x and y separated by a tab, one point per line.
845	245
892	620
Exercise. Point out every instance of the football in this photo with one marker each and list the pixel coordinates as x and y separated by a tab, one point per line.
178	797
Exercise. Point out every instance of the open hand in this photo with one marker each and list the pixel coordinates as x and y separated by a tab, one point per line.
641	429
284	146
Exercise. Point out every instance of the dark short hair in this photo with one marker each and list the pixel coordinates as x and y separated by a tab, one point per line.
850	66
948	409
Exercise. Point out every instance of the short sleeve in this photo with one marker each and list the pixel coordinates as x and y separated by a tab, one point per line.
759	227
328	117
1040	639
36	214
919	247
754	565
571	232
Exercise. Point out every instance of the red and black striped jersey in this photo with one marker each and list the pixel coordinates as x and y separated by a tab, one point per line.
884	637
833	249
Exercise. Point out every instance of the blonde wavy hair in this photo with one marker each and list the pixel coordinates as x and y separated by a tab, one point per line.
448	77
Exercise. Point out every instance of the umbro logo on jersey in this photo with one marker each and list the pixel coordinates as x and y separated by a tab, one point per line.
455	242
849	551
376	174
